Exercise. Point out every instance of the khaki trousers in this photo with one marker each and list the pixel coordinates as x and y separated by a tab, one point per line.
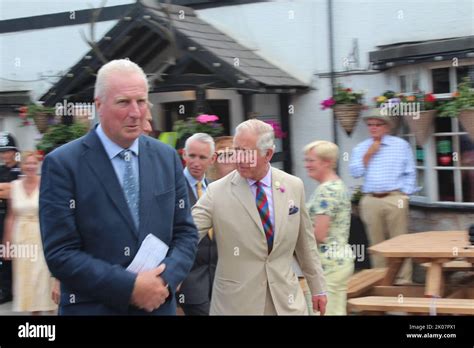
269	306
386	218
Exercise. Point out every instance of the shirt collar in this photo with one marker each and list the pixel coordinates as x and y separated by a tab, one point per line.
111	148
387	139
266	180
191	180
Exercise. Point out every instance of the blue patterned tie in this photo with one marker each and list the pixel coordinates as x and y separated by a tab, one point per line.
130	186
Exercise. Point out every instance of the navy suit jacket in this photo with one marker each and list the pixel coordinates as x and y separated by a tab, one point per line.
88	233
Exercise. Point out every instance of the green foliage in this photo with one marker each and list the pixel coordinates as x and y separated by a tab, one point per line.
61	134
34	109
462	99
347	96
190	126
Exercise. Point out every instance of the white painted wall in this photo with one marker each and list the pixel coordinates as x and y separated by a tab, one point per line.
293	35
34	60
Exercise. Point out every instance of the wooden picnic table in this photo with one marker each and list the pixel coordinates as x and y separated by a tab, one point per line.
435	247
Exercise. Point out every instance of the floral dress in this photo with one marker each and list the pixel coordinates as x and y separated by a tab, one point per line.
333	199
337	259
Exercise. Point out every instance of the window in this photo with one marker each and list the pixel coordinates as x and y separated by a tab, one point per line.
453	165
454	161
419	156
440	78
445	164
409	83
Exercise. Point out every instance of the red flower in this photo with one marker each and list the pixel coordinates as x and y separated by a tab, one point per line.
430	98
349	90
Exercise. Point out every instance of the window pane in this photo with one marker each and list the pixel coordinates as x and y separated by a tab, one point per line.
420	156
464	71
415	83
443	125
440	80
403	84
467	185
446	185
467	151
444	151
420	178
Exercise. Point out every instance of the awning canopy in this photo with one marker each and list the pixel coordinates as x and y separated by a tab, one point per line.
405	53
178	51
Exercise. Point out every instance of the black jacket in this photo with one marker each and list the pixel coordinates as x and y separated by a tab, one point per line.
197	287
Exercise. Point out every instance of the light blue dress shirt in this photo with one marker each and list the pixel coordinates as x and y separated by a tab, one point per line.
391	168
192	182
113	150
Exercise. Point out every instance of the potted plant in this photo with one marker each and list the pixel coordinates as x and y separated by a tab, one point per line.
461	106
201	124
43	116
390	99
60	134
420	125
279	134
346	105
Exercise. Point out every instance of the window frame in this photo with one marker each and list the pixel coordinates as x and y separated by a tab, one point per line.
430	166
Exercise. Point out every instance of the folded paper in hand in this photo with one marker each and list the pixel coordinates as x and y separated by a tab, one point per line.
152	251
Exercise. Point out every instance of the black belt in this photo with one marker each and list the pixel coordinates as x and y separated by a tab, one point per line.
380	194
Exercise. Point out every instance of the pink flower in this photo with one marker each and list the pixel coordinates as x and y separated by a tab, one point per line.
207	118
328	103
277	129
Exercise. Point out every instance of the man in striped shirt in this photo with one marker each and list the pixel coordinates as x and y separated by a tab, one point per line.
387	165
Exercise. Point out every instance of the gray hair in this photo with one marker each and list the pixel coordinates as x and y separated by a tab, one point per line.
113	67
264	131
202	138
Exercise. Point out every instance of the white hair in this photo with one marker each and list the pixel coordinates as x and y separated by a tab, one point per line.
123	66
202	138
264	131
325	150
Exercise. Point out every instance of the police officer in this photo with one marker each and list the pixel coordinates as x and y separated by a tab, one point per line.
9	171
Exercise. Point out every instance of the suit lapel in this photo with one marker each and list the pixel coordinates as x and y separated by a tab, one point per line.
147	185
99	163
280	205
242	192
192	197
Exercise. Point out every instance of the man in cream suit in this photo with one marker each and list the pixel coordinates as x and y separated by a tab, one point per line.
259	219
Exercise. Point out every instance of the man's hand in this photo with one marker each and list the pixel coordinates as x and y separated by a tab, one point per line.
371	151
319	303
150	290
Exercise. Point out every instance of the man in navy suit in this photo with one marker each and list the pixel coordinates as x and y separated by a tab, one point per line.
102	194
195	292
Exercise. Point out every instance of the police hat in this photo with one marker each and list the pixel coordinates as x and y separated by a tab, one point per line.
7	142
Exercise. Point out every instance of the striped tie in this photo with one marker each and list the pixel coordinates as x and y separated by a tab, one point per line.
264	211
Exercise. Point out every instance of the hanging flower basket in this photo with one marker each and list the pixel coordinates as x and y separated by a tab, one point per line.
42	120
421	127
348	115
397	122
347	106
466	117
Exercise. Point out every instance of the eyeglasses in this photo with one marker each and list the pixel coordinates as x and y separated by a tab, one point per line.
375	124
